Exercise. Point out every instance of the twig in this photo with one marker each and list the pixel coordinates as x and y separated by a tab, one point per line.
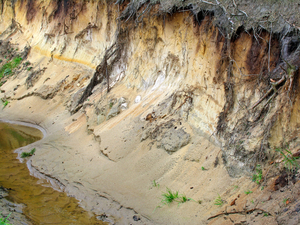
235	6
232	60
262	98
270	99
269	49
265	177
210	3
241	212
142	14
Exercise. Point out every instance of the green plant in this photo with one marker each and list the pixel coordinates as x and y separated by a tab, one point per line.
199	202
286	201
4	103
257	177
8	67
7	72
202	168
29	68
155	184
169	197
289	160
266	214
111	105
235	187
2	82
16	61
248	192
183	199
27	154
219	201
4	221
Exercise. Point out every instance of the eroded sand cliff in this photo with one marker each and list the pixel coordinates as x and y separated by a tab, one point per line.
134	98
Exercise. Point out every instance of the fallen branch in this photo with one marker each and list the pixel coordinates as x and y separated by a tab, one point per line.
239	212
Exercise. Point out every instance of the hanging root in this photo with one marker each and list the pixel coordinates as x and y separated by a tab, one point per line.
103	70
289	75
99	76
272	89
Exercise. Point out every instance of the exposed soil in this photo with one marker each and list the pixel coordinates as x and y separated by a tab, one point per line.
195	96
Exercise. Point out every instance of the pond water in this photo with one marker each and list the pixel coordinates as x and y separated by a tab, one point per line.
44	205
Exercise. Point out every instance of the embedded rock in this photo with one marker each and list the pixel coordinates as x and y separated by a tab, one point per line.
174	140
117	108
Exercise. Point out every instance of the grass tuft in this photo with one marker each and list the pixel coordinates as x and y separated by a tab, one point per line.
219	201
155	184
4	221
248	192
257	177
169	197
27	154
7	68
4	103
183	199
289	160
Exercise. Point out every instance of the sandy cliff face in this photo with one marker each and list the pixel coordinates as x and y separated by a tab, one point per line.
149	97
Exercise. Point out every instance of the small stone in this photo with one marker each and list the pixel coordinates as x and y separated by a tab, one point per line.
122	100
124	106
136	218
138	99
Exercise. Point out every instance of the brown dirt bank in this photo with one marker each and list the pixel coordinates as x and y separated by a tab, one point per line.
173	101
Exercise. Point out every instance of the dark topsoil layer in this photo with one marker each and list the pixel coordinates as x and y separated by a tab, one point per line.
276	16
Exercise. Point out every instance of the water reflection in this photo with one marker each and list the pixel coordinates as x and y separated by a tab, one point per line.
15	136
44	205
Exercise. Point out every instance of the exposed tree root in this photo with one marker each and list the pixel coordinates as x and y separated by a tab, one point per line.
273	88
289	74
239	212
86	30
12	29
111	57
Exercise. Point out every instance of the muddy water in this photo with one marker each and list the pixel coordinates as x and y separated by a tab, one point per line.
44	205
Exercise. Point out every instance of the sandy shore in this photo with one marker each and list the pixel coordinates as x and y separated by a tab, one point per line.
110	170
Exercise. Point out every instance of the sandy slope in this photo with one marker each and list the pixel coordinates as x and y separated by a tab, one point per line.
108	155
111	170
